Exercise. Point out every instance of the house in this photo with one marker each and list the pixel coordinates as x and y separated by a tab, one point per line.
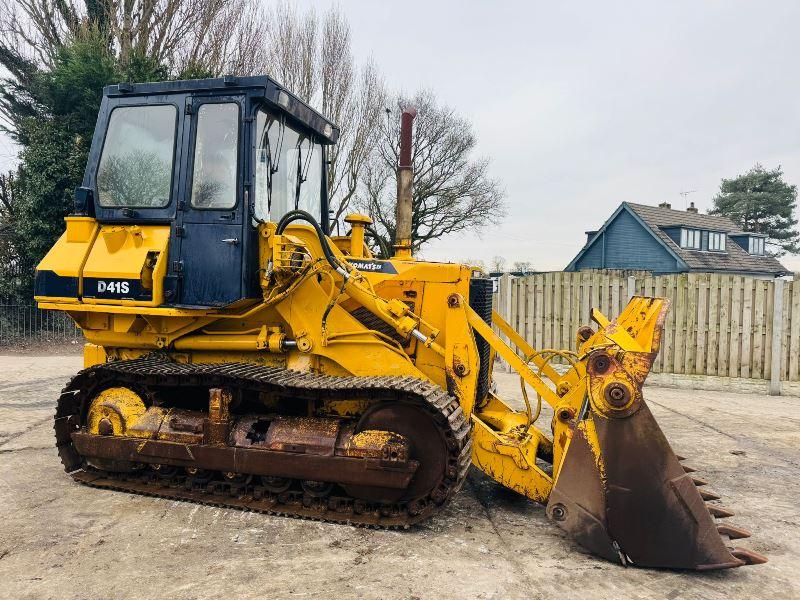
662	240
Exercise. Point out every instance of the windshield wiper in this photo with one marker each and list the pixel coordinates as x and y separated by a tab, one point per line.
272	166
302	169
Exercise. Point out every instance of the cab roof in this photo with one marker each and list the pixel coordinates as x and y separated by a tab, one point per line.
259	86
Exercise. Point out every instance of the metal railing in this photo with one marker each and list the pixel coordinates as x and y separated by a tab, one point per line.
22	324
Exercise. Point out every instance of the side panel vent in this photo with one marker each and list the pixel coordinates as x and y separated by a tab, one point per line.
480	300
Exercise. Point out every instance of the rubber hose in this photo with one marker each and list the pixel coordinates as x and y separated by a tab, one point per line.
301	215
379	240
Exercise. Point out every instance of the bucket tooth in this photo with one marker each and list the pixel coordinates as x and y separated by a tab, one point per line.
688	469
679	457
698	481
734	533
706	495
749	557
718	511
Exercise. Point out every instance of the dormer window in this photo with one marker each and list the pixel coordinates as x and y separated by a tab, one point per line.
756	245
716	241
690	239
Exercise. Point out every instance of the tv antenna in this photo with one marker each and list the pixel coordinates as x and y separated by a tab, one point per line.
684	194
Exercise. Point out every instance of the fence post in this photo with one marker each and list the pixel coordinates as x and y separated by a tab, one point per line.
631	287
777	331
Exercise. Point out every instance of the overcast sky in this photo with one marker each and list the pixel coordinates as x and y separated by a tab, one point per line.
584	105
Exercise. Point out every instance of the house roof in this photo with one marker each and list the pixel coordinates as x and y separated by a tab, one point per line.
657	216
734	259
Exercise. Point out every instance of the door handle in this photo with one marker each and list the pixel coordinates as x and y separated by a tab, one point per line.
233	241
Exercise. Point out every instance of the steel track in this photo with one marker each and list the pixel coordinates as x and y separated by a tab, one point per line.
159	372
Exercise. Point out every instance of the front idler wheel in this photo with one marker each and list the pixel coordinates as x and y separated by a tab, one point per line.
426	445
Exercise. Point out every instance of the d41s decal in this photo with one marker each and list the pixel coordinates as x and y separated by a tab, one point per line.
113	287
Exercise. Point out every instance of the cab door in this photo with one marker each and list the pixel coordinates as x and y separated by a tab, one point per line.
209	228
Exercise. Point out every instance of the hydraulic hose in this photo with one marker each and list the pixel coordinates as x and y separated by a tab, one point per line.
301	215
379	240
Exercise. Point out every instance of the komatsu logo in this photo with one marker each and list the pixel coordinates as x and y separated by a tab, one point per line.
113	287
373	266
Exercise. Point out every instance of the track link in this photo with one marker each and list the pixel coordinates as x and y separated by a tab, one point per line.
157	371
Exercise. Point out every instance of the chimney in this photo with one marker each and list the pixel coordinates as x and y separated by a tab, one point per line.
691	208
665	205
405	182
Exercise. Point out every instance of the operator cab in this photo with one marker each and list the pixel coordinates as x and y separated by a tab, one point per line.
210	158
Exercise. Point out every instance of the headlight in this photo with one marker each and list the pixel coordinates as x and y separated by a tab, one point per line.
283	99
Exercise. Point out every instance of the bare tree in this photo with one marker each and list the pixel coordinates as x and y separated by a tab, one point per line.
453	191
207	34
313	58
522	266
228	42
497	264
291	49
477	263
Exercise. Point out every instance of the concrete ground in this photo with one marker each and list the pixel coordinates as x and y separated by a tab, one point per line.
61	540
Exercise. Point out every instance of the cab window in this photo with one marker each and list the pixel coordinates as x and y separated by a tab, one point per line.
288	169
136	163
216	156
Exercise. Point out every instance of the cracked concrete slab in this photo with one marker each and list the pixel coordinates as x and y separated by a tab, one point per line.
63	540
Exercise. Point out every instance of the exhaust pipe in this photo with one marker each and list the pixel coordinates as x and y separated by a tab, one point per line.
405	181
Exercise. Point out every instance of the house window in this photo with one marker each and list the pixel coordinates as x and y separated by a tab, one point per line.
756	246
690	238
716	241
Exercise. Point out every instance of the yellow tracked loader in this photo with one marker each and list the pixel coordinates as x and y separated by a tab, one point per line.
239	354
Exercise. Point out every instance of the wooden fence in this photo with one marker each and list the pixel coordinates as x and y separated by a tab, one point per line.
722	325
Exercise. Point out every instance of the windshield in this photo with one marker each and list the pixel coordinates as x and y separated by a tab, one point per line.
288	170
136	164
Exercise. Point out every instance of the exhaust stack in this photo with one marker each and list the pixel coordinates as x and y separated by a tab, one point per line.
405	182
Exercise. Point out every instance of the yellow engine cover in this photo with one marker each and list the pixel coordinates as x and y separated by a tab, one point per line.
105	264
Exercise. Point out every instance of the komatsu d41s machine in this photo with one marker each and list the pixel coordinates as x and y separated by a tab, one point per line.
240	355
